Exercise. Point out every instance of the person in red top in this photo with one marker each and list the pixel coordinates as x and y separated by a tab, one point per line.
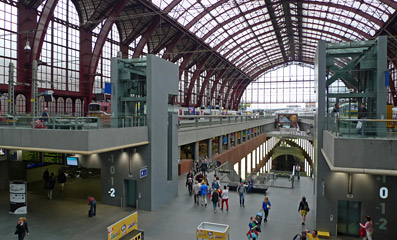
92	203
368	228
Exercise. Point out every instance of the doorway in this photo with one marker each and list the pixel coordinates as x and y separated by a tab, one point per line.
348	217
130	193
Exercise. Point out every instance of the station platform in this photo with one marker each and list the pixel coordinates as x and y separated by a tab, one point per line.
66	217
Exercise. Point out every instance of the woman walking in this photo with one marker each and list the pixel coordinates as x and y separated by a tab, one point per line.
215	198
225	198
22	228
266	207
303	209
368	226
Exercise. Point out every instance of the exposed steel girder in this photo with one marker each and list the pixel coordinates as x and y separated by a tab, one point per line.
41	29
237	85
288	23
258	73
133	35
206	81
186	60
97	16
146	36
203	13
235	81
115	12
240	94
22	90
195	76
300	27
360	32
276	28
217	79
171	46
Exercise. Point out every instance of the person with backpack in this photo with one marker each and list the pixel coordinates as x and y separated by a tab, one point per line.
46	176
301	236
215	198
303	209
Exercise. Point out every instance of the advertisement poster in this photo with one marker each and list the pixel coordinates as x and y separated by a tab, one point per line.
288	120
123	227
18	197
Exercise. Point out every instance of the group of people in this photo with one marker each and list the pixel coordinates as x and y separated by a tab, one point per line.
49	181
201	189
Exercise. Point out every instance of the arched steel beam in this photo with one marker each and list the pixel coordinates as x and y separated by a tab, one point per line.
186	60
235	83
218	77
203	13
391	3
97	16
195	76
146	36
264	43
153	27
239	95
115	12
41	29
206	81
171	46
259	23
235	89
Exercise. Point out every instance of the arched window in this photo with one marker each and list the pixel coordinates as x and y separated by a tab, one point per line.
60	50
293	83
60	106
4	104
8	40
42	104
52	107
78	108
20	104
69	106
109	50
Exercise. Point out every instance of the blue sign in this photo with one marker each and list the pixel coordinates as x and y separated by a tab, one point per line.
387	76
143	173
108	88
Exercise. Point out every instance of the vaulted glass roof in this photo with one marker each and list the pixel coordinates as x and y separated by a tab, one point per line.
256	35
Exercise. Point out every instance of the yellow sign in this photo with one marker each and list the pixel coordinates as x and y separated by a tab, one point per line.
123	227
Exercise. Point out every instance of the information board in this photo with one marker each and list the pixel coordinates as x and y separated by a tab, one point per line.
18	197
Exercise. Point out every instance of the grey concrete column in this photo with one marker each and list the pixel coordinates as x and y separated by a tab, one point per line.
209	148
179	153
253	156
220	144
241	137
228	141
246	168
235	139
196	151
239	167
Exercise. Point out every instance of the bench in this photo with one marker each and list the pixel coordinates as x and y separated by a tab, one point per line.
256	189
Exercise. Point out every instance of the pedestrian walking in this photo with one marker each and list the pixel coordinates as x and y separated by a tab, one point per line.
62	180
196	192
189	182
203	194
51	185
225	198
241	190
22	228
303	209
266	207
92	203
215	198
368	226
298	171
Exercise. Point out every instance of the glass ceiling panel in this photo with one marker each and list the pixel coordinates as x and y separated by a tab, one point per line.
330	20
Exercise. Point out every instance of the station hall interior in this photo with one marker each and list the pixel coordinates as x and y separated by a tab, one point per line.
120	99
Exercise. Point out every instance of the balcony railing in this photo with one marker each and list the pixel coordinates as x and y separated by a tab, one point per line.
369	127
198	121
71	123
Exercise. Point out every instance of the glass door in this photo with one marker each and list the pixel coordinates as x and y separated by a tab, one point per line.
349	213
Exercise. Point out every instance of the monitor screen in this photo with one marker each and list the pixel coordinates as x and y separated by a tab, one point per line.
72	161
2	152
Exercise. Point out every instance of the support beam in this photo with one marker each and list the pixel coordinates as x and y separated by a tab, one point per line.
276	28
107	27
209	74
196	75
290	30
155	23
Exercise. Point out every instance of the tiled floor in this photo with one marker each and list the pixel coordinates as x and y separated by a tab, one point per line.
65	217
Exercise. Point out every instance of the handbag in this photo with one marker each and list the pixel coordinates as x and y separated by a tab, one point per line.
268	206
363	233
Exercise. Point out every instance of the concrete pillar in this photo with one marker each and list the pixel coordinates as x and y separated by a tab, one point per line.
228	141
253	156
241	137
209	148
179	153
196	151
239	167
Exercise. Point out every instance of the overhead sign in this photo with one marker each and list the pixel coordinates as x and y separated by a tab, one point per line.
143	173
